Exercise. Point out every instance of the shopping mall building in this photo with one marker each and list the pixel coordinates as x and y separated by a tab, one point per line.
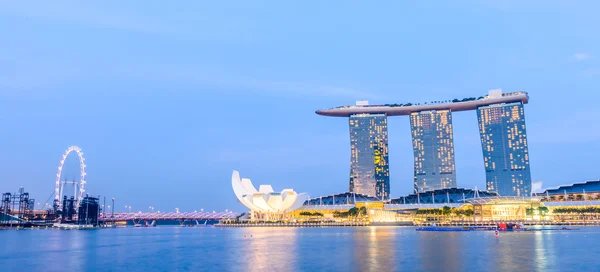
576	203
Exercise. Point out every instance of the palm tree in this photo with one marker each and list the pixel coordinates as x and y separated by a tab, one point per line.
543	210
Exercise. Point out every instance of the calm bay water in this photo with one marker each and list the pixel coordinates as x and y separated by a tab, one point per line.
297	249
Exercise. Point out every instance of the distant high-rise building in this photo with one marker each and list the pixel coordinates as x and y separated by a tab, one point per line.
433	148
369	168
505	150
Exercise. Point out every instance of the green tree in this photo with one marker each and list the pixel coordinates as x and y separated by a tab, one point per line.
446	210
529	211
543	210
340	214
353	212
362	211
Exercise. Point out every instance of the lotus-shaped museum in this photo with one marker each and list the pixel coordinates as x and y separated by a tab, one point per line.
264	200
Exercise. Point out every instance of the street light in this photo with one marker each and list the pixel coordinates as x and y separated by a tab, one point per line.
128	207
112	212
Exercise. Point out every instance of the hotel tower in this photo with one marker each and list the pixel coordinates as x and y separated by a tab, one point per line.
502	131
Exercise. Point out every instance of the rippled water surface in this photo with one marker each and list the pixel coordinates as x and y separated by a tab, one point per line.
297	249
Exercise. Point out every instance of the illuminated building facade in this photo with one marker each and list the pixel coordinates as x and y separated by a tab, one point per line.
433	148
265	203
369	168
505	150
502	133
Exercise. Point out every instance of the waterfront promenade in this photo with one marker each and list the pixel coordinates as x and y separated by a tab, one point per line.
296	225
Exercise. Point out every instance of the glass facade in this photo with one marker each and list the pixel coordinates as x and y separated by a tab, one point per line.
369	168
433	148
505	153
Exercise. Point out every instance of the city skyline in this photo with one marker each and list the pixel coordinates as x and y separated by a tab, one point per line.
501	121
166	103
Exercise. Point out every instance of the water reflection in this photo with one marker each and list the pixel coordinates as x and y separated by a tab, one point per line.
269	249
296	249
508	255
373	249
439	251
544	251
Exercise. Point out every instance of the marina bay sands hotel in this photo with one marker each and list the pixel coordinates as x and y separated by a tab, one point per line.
502	132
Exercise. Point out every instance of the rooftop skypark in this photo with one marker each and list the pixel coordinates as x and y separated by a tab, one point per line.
469	103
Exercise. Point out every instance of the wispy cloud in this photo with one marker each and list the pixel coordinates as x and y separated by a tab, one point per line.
77	13
199	76
43	75
582	56
193	23
591	72
25	72
309	89
280	156
577	127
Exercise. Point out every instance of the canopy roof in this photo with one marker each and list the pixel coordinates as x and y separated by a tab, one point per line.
502	200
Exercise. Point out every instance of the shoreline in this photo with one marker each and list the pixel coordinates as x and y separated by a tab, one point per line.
401	224
314	225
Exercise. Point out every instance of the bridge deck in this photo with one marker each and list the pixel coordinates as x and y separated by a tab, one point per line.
169	216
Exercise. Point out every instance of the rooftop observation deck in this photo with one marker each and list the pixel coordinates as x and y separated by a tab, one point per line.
465	104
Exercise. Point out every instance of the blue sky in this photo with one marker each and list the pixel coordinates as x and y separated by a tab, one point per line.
167	99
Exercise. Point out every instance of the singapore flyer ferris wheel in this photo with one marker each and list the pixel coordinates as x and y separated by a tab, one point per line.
78	187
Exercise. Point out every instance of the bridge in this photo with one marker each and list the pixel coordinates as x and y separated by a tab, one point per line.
152	217
7	219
